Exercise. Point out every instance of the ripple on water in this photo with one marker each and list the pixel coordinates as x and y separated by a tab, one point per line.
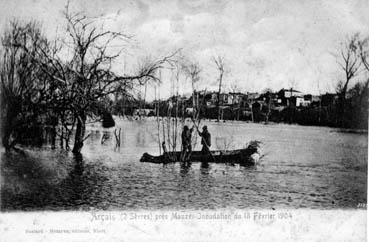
303	168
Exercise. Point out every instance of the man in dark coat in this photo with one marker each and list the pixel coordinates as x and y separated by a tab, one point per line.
186	142
205	140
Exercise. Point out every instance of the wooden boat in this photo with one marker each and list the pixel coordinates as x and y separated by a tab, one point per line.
248	156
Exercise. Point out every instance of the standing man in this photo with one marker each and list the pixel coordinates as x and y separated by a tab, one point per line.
186	142
205	140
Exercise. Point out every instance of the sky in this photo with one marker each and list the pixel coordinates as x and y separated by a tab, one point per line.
266	44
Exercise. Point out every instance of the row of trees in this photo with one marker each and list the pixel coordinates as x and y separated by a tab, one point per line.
350	110
354	62
62	82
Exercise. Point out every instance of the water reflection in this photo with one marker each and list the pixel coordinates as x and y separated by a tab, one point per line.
75	182
61	185
78	167
311	168
204	168
85	185
184	168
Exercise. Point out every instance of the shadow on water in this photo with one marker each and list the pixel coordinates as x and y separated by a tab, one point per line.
185	167
248	168
30	183
205	168
85	184
75	181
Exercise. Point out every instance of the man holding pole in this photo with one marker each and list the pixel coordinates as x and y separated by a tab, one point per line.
205	140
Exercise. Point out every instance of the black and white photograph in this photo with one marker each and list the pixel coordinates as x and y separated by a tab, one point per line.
187	118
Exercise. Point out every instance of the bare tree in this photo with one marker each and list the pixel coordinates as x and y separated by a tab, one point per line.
219	62
192	70
92	64
25	90
236	98
364	56
350	63
85	81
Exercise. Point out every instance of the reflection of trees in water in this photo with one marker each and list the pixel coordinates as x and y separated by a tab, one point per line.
82	187
26	183
75	179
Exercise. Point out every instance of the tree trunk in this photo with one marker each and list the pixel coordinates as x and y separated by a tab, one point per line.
252	113
193	102
80	133
53	136
219	91
342	102
341	109
61	141
8	125
320	111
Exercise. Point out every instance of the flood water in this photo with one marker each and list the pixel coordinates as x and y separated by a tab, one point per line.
301	167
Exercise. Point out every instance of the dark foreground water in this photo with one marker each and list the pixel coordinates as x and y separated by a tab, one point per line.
313	167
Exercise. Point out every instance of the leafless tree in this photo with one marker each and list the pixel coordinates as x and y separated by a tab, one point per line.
350	63
192	70
364	56
92	64
236	99
219	62
25	90
85	80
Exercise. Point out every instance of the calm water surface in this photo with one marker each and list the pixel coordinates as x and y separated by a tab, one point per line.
313	167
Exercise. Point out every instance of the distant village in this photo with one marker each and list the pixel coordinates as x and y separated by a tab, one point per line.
282	106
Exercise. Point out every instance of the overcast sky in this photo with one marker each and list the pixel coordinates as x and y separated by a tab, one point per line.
266	44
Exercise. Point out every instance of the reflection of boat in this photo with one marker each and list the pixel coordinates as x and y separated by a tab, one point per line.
248	156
